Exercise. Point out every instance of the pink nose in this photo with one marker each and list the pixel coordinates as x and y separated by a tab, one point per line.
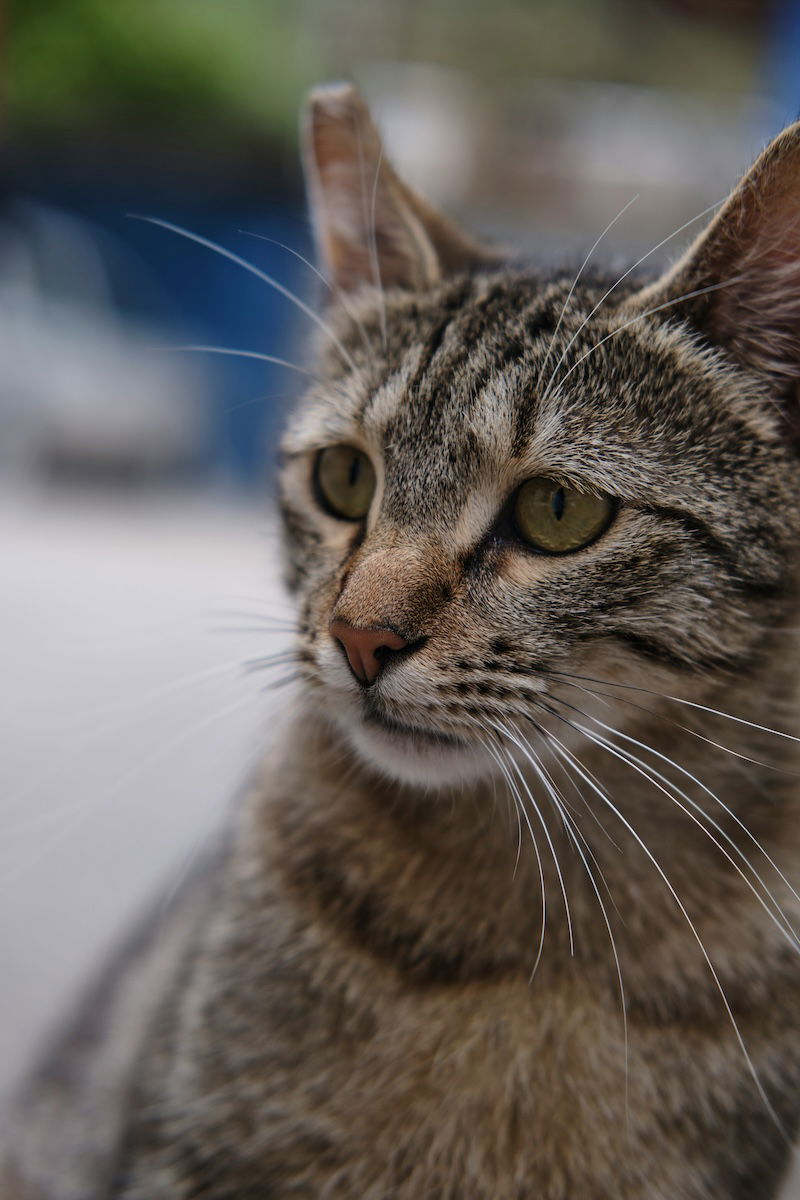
366	649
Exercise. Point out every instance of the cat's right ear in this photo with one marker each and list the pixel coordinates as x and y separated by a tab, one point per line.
739	284
370	227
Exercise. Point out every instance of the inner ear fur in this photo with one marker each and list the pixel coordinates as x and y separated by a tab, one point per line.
370	227
746	267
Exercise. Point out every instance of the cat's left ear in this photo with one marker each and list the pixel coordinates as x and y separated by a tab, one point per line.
748	259
371	228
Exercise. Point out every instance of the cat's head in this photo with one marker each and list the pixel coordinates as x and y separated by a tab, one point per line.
505	482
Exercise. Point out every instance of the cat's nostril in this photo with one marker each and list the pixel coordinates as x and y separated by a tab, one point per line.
367	649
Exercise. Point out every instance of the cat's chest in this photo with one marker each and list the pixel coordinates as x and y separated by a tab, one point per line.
473	1091
499	1089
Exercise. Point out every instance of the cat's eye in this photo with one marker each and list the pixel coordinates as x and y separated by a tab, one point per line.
345	481
556	519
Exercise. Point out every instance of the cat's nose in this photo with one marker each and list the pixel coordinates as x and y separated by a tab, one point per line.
367	649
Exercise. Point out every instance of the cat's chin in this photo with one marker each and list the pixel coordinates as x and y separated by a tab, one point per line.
415	757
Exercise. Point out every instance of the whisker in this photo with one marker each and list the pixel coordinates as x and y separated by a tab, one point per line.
259	622
280	683
264	606
569	823
231	352
575	281
684	771
712	969
373	245
287	293
496	752
118	717
513	798
660	781
200	844
622	277
264	620
483	741
544	735
139	705
716	712
86	809
704	291
368	218
688	774
262	629
758	762
280	658
580	794
332	287
505	732
260	399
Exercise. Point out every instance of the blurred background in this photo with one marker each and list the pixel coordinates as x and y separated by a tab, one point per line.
138	568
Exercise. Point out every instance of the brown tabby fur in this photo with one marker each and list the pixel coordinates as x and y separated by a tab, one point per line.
364	1012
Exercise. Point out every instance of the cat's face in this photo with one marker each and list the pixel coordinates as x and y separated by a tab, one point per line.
494	488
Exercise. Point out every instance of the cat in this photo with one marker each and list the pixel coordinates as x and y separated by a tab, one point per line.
509	913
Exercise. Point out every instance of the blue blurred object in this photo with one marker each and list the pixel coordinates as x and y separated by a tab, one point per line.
219	303
84	390
198	297
783	60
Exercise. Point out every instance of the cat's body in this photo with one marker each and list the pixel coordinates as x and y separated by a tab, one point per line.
389	991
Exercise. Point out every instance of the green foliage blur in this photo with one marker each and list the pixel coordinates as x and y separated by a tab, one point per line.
187	65
237	68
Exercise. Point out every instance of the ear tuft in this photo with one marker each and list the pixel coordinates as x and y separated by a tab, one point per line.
370	227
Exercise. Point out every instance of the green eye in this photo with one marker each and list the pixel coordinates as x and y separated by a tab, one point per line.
557	519
346	481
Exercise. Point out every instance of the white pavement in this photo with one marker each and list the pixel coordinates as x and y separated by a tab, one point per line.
127	722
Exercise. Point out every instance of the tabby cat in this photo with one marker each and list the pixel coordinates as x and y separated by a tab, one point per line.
510	912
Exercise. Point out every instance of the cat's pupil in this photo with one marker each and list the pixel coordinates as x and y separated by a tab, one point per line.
559	504
355	471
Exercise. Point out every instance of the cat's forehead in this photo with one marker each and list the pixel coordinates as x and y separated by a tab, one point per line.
503	376
504	352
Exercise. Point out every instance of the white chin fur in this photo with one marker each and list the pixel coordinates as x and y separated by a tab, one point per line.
413	760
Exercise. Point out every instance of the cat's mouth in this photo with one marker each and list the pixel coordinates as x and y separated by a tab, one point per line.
408	752
412	743
375	718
